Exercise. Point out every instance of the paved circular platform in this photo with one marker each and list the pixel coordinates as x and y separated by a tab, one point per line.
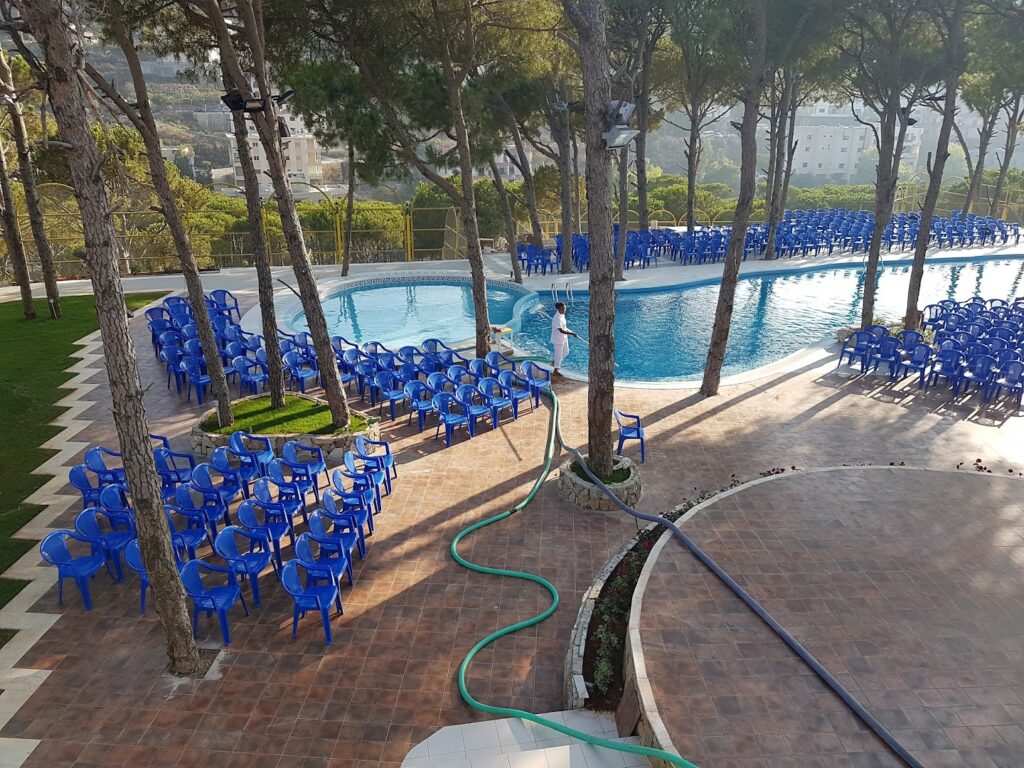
907	585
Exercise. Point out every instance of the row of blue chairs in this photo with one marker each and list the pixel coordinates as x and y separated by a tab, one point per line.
199	495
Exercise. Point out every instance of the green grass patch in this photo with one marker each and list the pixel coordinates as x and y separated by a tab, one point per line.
33	357
298	417
619	474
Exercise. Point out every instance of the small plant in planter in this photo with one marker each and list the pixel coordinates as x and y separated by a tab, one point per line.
575	487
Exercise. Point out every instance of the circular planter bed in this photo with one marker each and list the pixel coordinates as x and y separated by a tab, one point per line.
204	442
585	495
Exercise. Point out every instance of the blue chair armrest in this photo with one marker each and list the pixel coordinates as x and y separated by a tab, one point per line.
387	446
108	452
633	416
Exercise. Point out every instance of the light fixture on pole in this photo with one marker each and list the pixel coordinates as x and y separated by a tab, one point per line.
620	133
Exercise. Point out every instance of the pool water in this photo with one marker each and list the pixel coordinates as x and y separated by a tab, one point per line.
407	313
663	335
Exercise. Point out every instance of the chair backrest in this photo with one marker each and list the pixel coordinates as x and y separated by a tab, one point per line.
457	372
489	386
877	331
442	402
112	498
911	338
861	339
430	346
94	461
290	579
78	476
221	459
201	478
437	381
466	394
949	359
478	367
191	364
242	364
317	526
290	452
413	390
408	353
225	545
87	523
133	557
980	365
54	548
888	345
246	514
506	379
409	371
191	579
618	416
1013	372
262	491
384	380
184	499
920	354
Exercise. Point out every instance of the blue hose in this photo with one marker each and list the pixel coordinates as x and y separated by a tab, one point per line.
858	709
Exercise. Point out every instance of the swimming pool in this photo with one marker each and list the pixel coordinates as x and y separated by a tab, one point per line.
398	311
662	335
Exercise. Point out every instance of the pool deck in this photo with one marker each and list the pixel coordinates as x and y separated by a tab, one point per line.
89	689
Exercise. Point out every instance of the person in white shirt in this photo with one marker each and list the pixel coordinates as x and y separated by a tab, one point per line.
560	337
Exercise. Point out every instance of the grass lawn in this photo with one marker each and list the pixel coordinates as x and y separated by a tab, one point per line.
33	357
298	417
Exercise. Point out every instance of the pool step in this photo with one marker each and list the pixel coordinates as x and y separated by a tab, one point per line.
513	743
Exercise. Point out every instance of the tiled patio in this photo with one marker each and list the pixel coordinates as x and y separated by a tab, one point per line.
904	584
386	684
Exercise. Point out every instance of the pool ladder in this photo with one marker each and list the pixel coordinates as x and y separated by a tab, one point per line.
568	293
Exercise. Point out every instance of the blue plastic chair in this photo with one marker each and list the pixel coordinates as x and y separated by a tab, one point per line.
306	463
211	600
978	373
1011	379
54	550
857	346
946	365
414	392
389	389
213	483
467	396
292	487
888	351
200	508
495	360
919	360
313	597
96	463
360	496
114	503
251	449
436	346
186	540
79	478
241	474
174	469
194	376
110	533
300	369
630	431
133	558
449	415
348	511
495	396
336	546
251	563
538	378
250	374
364	475
508	381
282	501
384	461
270	527
226	301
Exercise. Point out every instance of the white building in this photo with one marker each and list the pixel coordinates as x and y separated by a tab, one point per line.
831	141
301	155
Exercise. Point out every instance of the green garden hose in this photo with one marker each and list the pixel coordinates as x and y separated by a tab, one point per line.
549	454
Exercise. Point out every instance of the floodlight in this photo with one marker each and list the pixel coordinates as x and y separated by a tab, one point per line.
619	136
285	97
623	111
282	128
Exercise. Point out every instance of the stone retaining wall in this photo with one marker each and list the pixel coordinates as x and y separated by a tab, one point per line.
204	443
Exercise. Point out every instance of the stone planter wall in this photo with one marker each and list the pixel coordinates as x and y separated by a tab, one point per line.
204	443
574	689
586	495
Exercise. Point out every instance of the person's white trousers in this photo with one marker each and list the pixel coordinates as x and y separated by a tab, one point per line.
561	351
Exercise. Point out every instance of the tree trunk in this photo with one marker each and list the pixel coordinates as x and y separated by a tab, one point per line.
775	210
52	31
577	187
1013	118
643	117
693	147
756	42
623	197
267	129
350	203
912	317
510	224
558	124
590	19
985	133
141	115
890	147
28	182
13	241
476	270
791	144
773	137
261	260
529	188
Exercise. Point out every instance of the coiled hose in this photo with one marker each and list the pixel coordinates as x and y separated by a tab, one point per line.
555	437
